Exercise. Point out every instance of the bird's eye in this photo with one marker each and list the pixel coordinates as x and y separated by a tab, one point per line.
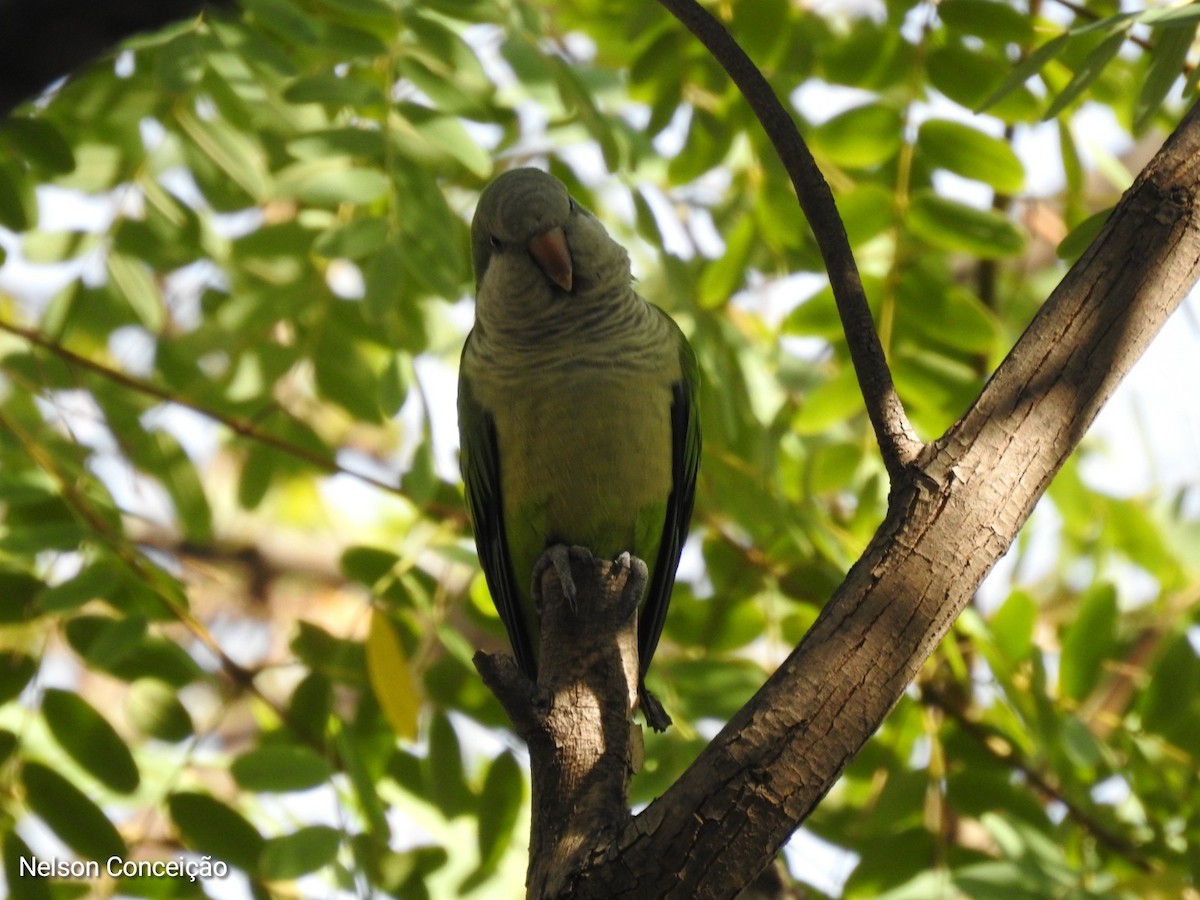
495	242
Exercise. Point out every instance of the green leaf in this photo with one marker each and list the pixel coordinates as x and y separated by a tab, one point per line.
941	314
15	671
383	279
987	19
334	91
285	19
444	767
342	660
332	182
154	709
345	377
121	647
445	67
833	467
367	143
22	593
1093	64
578	97
958	227
835	400
237	157
1088	642
90	740
499	808
279	768
708	140
70	814
133	281
18	204
367	565
350	753
180	66
859	138
1170	705
378	9
723	276
867	211
22	885
305	850
310	705
209	826
8	744
1012	626
1081	236
40	142
442	139
1171	47
57	246
970	153
354	240
1183	15
1025	69
105	641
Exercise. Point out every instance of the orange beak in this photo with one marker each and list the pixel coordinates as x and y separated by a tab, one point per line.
550	251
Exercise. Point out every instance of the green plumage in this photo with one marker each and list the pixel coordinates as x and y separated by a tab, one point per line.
577	405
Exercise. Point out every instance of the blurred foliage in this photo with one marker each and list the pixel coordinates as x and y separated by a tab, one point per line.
238	597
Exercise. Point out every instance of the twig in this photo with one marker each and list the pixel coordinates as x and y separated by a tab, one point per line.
898	442
240	427
1008	756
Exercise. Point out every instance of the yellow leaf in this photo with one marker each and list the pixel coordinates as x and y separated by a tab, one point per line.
390	677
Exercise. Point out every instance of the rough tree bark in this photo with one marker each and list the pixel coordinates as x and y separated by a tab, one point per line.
952	514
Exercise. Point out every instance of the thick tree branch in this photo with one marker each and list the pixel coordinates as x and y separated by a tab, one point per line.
948	523
898	442
577	719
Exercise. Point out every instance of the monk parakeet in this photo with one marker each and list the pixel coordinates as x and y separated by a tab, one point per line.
577	408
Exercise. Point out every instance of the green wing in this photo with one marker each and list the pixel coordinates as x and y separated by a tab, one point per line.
480	459
685	462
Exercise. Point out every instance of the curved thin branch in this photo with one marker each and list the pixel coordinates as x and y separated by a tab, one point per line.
898	442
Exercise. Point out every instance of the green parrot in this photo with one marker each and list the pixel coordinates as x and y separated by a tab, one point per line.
577	409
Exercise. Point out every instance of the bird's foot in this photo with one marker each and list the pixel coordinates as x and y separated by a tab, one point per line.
636	576
557	557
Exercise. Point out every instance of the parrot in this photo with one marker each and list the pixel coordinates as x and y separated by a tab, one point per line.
577	410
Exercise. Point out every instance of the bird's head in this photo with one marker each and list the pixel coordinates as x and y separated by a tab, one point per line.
530	238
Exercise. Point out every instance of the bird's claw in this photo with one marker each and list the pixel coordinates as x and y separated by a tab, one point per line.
557	557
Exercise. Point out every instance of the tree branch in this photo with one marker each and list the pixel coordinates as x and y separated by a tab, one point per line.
577	719
948	523
898	442
241	427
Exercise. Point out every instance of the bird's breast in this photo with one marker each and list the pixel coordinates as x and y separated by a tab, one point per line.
586	459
